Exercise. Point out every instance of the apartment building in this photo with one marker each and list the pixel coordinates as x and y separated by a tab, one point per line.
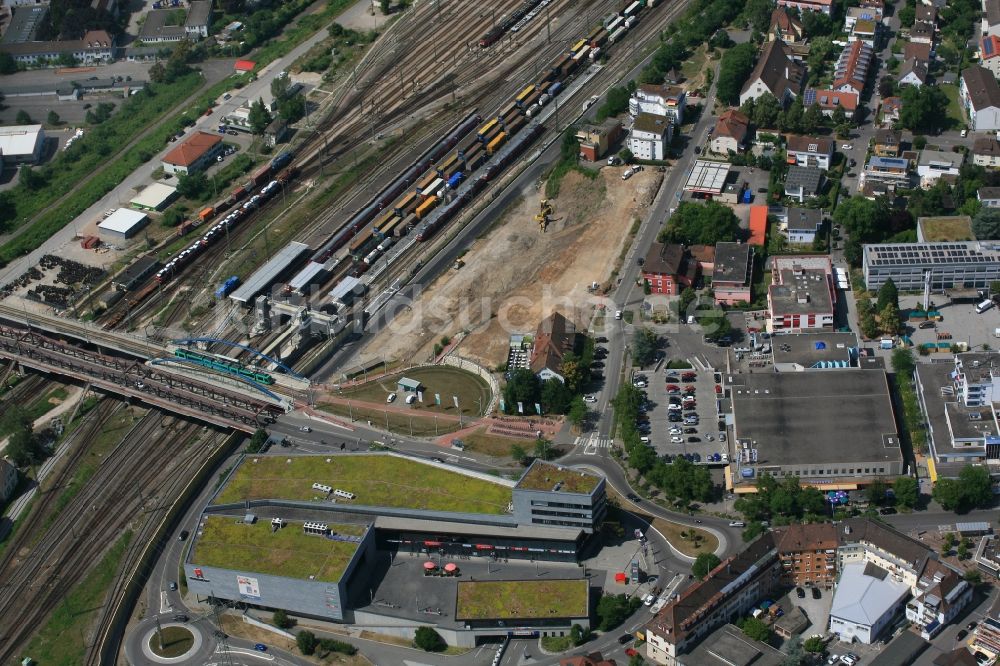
808	554
802	296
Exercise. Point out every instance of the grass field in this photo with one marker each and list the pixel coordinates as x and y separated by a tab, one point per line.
955	113
62	640
176	641
377	480
521	599
943	229
290	552
672	531
494	445
438	379
404	424
544	476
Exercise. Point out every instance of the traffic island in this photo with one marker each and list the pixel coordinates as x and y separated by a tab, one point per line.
175	643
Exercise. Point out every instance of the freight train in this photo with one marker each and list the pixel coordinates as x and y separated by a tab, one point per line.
224	365
508	22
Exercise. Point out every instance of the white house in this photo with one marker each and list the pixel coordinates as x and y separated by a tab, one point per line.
991	18
730	132
776	72
865	601
932	164
661	100
800	225
939	596
986	152
650	136
812	151
980	95
989	197
913	73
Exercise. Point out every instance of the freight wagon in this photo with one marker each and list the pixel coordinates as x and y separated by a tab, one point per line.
495	144
409	202
426	207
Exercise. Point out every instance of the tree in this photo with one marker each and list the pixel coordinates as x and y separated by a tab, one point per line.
814	644
948	493
544	450
924	109
577	413
518	454
963	551
986	224
758	14
813	118
644	342
24	448
569	149
22	118
280	86
976	485
907	491
764	111
574	372
194	185
429	640
888	294
907	15
29	178
555	397
306	640
626	155
258	441
839	116
578	635
755	629
875	491
886	87
815	24
734	69
52	118
157	73
7	63
704	563
613	609
715	324
890	320
522	387
701	224
259	117
281	620
636	660
384	6
292	109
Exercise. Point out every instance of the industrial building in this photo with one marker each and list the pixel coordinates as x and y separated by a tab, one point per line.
122	224
836	430
865	601
194	154
969	265
154	197
22	144
799	352
338	519
707	178
280	265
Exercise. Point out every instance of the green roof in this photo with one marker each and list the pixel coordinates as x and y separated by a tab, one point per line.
229	543
522	599
376	480
547	476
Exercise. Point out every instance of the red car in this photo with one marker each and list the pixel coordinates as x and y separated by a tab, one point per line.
689	376
631	652
673	387
689	389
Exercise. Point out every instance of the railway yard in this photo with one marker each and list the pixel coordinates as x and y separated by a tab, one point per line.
182	340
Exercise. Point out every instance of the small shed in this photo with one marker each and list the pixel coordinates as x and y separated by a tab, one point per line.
978	528
245	65
123	224
407	385
791	623
154	197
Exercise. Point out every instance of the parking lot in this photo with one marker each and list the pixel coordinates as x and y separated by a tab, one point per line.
959	320
671	391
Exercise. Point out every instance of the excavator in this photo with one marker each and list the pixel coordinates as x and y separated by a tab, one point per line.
545	210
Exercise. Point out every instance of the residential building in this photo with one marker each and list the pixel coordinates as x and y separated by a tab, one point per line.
661	100
808	554
733	273
991	18
199	19
865	601
556	335
731	590
824	6
730	134
919	51
159	27
793	424
866	31
973	265
785	27
8	480
596	140
800	225
803	182
669	268
891	106
851	70
802	296
276	132
989	197
855	14
986	151
940	595
891	172
888	142
194	154
96	46
22	144
776	72
830	100
913	73
935	164
809	151
650	136
592	659
980	96
926	13
728	645
987	634
922	32
989	54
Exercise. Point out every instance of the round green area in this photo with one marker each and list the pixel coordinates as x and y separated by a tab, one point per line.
472	391
176	642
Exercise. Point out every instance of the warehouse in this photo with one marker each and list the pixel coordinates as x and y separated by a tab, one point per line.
274	270
835	430
154	197
123	224
22	144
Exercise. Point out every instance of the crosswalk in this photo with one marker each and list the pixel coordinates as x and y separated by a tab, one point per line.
592	443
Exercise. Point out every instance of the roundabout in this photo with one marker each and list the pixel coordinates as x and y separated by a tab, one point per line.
175	643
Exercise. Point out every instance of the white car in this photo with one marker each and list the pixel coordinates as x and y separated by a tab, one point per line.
410	399
305	429
674	408
676	440
618	314
676	431
649	599
847	146
389	398
590	398
850	659
645	440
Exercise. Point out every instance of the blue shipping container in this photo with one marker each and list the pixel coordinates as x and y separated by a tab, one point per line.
227	287
555	88
455	180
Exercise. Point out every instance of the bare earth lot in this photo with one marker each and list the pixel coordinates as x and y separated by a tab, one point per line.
516	274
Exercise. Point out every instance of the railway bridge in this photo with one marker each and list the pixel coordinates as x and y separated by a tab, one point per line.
131	377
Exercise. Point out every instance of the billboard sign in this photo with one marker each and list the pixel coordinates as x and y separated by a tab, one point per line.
249	588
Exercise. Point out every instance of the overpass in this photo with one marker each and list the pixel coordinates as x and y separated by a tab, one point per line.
157	385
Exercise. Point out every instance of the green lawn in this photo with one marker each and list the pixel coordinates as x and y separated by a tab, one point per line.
544	476
176	641
229	544
393	421
437	379
522	599
955	112
376	479
494	445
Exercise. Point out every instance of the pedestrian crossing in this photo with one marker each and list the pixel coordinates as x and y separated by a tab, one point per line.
592	443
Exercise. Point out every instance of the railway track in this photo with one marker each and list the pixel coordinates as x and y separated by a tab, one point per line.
37	582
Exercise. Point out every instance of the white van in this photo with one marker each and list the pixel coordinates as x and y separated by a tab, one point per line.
984	306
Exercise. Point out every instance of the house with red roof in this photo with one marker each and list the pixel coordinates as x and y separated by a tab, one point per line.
194	154
851	71
730	132
824	6
244	66
990	54
829	100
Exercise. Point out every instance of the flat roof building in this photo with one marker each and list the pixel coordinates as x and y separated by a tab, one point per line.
733	274
162	27
22	144
280	265
834	430
970	265
123	224
802	296
707	177
945	229
136	273
156	196
798	352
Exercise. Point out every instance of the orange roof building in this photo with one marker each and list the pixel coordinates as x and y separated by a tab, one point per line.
758	225
194	154
245	65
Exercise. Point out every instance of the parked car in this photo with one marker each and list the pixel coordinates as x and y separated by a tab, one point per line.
389	398
673	379
800	593
960	636
677	440
625	638
690	431
694	439
590	398
816	593
887	511
631	652
850	659
649	599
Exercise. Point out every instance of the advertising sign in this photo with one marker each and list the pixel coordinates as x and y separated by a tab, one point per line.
249	588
